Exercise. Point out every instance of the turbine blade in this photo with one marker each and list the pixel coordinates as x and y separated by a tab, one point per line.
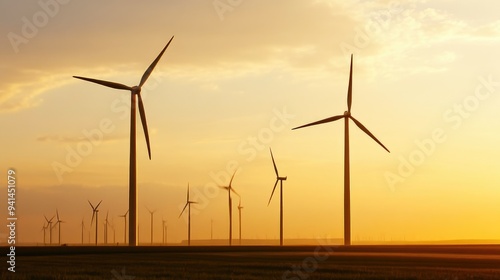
234	192
91	204
126	213
362	127
92	220
231	181
146	74
349	91
187	199
274	163
274	188
46	219
105	83
98	205
144	123
327	120
57	214
187	203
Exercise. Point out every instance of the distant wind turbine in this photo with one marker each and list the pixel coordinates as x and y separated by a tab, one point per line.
239	217
152	213
58	223
83	227
95	213
280	179
125	229
163	222
44	227
49	224
135	90
112	225
230	189
346	116
188	205
106	223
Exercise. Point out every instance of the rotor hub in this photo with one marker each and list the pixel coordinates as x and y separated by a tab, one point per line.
136	89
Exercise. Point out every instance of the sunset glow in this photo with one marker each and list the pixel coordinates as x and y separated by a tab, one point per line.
233	83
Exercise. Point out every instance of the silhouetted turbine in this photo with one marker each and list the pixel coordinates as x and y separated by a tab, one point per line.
106	223
83	227
188	205
280	179
135	90
239	217
230	189
58	223
152	213
49	224
346	116
95	213
163	222
44	227
125	228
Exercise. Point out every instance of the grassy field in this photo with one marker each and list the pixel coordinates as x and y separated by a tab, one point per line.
258	262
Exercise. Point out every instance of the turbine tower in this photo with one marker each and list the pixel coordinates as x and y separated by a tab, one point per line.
346	116
239	217
152	213
280	179
135	90
95	213
188	205
230	189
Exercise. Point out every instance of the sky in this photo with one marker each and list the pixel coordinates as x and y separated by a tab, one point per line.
237	77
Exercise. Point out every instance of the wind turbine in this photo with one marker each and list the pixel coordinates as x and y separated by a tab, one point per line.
125	230
95	212
44	227
230	189
346	116
163	222
49	224
188	205
280	179
135	90
83	227
114	231
152	213
239	216
58	223
106	223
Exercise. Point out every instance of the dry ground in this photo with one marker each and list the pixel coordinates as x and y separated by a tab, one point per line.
258	262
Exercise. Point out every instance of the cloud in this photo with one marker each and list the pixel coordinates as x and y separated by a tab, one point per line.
299	36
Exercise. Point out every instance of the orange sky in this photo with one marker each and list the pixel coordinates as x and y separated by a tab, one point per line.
235	80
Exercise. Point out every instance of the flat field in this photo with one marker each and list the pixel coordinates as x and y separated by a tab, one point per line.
258	262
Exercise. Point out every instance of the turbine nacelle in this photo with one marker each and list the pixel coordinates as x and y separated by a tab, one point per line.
347	114
281	178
